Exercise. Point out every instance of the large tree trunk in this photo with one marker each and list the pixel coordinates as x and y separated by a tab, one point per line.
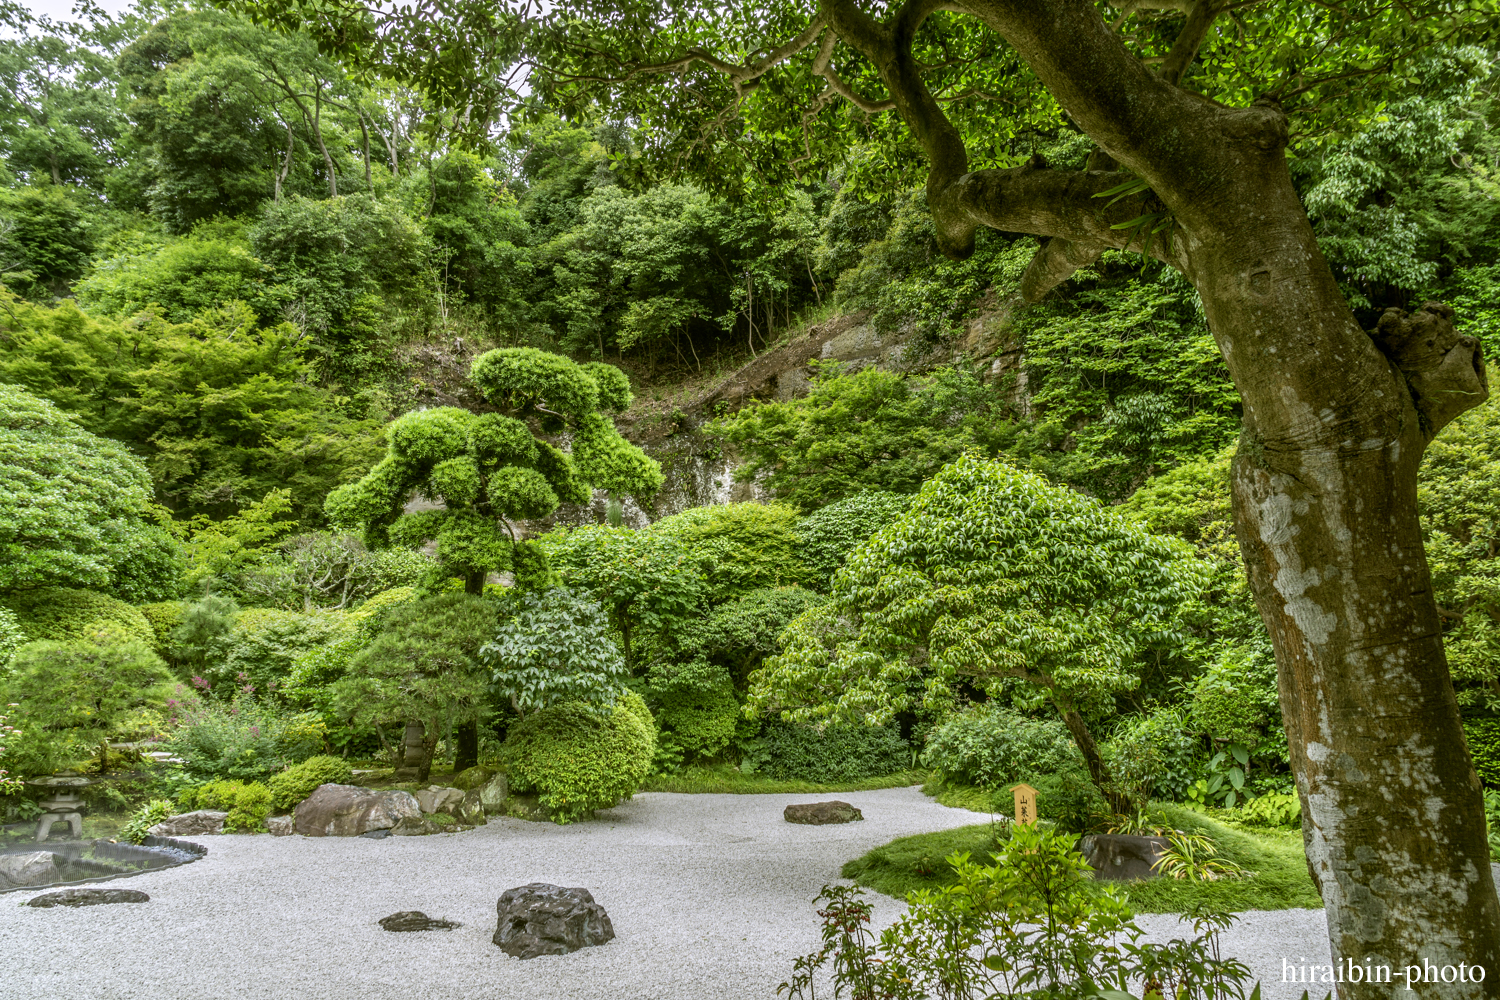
1325	491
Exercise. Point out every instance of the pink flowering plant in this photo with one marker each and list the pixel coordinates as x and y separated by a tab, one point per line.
243	738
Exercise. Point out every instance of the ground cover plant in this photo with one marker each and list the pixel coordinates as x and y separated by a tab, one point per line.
1279	880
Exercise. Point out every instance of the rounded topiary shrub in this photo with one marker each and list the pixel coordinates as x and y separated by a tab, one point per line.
802	752
298	781
991	746
578	758
63	614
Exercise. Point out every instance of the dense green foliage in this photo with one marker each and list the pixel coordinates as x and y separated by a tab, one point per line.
239	739
738	547
551	647
62	614
86	692
578	758
835	752
992	746
300	780
75	509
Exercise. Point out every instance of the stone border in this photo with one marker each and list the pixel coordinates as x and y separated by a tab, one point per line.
123	852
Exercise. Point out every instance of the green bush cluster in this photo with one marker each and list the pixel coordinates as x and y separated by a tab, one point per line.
298	781
695	707
1155	755
579	758
989	745
1276	809
248	804
830	534
832	753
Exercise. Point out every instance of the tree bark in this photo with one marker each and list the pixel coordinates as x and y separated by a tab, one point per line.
1324	481
466	742
1098	770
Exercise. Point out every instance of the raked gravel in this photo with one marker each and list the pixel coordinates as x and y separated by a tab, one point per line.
710	897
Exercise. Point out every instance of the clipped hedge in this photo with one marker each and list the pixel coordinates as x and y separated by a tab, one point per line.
63	614
298	781
835	753
579	758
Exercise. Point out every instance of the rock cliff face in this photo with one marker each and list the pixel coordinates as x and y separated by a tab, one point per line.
698	472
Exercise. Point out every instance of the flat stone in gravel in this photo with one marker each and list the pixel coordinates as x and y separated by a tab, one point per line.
415	920
349	811
32	868
193	824
822	813
541	919
89	897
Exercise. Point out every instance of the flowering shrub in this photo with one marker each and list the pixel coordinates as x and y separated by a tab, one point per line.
244	739
9	735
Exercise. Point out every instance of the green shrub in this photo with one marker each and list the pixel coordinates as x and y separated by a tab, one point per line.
696	706
83	693
830	534
1277	809
147	816
792	750
1483	737
163	617
990	745
244	739
579	758
1154	756
258	652
1236	697
248	805
298	781
62	614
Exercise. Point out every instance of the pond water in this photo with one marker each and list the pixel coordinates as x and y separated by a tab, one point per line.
83	861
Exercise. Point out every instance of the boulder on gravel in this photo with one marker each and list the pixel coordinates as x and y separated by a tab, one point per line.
492	796
470	811
542	919
415	920
437	799
32	868
193	824
350	811
471	778
280	826
1119	857
89	897
819	813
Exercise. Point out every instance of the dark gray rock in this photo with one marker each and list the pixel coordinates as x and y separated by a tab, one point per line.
542	919
349	811
193	824
819	813
90	897
416	826
280	826
32	868
415	920
1118	857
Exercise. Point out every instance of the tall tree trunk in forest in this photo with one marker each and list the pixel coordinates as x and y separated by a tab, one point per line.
1335	422
466	734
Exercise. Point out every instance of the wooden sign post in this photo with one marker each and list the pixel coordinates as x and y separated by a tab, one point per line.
1025	804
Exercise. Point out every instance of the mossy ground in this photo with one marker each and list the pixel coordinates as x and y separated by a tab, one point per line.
1280	881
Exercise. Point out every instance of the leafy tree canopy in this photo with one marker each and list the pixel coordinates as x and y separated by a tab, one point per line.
554	646
75	509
